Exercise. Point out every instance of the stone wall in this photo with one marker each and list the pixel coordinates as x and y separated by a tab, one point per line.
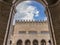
4	15
30	26
55	16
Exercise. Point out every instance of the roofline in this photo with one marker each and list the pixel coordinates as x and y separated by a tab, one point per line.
31	21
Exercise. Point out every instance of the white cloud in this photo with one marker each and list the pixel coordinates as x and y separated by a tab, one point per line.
30	12
37	13
45	18
25	11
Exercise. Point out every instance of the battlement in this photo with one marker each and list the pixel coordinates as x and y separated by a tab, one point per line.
31	21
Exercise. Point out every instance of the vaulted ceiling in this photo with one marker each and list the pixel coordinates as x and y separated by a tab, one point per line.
49	1
9	1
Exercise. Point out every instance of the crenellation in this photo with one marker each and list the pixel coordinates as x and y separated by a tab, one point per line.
32	21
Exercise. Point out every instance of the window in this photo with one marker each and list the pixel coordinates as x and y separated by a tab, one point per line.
35	42
22	32
32	32
44	32
19	42
27	42
43	42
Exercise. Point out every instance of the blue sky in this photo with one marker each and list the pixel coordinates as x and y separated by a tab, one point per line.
30	10
41	10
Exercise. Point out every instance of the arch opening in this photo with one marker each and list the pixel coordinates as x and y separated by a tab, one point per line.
19	42
30	10
27	42
43	42
35	42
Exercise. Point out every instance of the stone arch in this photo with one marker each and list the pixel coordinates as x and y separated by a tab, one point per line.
43	2
52	2
19	42
35	42
27	42
43	42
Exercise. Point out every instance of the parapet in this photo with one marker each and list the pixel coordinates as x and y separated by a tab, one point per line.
31	21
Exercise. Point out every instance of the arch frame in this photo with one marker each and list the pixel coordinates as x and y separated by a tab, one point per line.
43	2
55	4
40	1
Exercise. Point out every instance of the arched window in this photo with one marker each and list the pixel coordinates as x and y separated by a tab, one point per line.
19	42
49	42
43	42
27	42
35	42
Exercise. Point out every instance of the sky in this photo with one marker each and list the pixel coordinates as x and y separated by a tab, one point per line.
30	10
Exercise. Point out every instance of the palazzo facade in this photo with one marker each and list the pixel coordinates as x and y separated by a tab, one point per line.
30	33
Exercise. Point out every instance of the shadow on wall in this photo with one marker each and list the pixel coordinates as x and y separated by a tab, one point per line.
50	2
9	1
